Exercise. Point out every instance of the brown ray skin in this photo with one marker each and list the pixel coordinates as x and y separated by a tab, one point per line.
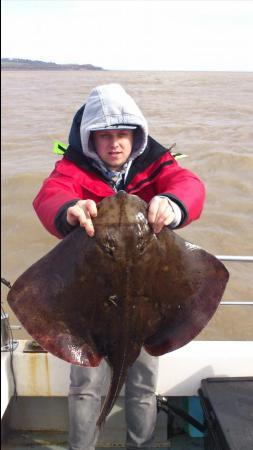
126	287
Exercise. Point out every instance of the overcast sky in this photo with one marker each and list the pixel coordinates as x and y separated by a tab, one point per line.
132	34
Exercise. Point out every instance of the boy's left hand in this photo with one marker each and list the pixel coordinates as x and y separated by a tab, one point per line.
160	213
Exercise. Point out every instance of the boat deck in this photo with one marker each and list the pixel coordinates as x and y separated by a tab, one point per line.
46	440
42	424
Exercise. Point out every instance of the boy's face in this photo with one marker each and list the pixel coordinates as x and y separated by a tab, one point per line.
114	147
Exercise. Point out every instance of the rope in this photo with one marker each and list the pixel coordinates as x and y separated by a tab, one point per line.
10	339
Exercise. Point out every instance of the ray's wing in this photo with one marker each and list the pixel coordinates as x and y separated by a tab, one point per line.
186	287
54	299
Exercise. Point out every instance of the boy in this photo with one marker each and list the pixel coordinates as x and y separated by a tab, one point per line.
110	150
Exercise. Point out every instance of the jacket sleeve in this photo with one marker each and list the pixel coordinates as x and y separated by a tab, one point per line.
58	192
184	188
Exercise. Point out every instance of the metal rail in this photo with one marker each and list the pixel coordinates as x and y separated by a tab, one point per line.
236	303
234	258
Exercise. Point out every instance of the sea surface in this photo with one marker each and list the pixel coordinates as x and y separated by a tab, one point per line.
209	115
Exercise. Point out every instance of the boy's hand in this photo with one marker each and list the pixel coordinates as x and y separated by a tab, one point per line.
82	213
160	213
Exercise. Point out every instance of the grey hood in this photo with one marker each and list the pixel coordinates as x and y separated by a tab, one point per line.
109	105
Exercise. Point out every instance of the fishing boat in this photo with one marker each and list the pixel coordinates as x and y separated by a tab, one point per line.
204	395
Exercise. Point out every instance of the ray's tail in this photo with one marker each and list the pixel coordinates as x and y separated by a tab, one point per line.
119	372
117	381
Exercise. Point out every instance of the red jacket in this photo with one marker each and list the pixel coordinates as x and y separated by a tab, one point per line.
155	172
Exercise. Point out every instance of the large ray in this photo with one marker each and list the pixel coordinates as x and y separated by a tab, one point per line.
124	288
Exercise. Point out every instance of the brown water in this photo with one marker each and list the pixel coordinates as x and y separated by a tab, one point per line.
208	115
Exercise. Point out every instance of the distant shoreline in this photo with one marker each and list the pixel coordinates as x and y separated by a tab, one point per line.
15	65
27	64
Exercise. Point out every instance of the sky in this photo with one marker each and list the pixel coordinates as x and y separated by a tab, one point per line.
132	34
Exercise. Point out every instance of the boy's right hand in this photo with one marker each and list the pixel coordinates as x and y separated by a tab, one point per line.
82	213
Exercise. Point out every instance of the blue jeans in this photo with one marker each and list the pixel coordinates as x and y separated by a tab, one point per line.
86	385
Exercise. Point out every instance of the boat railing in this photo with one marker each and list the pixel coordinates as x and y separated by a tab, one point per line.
233	258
